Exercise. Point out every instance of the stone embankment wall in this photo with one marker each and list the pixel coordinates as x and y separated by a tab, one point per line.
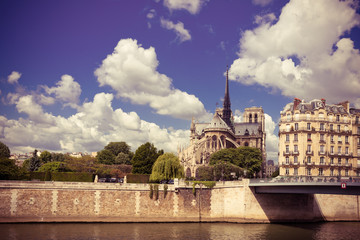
106	202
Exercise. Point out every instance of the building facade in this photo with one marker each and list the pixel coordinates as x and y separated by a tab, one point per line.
319	139
222	132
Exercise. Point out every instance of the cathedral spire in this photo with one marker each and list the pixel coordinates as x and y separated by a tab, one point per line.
227	104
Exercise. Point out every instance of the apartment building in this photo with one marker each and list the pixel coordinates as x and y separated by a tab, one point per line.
320	140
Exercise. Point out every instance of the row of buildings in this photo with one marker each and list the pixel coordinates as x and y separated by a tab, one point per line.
315	138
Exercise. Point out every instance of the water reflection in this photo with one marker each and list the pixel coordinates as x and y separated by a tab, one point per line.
158	231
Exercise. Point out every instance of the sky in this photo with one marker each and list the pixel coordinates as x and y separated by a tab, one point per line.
78	74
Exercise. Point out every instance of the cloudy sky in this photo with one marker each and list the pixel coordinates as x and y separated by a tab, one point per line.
77	74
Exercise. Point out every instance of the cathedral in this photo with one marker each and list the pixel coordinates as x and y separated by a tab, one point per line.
222	132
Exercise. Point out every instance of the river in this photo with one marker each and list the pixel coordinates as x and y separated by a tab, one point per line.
193	231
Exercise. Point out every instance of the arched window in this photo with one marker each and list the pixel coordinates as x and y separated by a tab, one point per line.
214	142
246	144
246	132
250	118
256	118
188	173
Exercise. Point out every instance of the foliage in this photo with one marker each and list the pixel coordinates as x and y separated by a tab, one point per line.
57	157
72	176
144	158
244	157
123	158
205	173
106	157
137	178
118	171
118	147
34	162
47	176
26	165
8	169
84	164
166	167
223	171
275	174
45	157
53	167
4	151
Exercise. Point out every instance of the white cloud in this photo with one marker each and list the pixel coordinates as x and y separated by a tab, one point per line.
151	14
131	71
295	54
264	19
262	3
14	77
272	140
192	6
182	33
67	91
94	125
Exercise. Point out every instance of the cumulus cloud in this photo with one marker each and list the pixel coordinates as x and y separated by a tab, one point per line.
192	6
94	125
14	77
181	33
67	91
303	54
151	14
131	71
262	3
272	140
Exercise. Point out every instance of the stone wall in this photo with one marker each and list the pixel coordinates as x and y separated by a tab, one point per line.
109	202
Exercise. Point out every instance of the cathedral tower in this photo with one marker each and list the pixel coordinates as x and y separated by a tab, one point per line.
226	116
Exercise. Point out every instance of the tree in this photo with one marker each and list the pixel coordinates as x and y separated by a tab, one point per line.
53	167
8	169
166	167
4	151
118	147
250	159
230	155
34	162
144	158
106	157
57	157
84	164
123	158
275	174
205	173
45	157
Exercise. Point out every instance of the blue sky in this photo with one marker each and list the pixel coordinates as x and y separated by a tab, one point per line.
75	75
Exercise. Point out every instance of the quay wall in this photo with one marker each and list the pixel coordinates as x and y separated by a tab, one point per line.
114	202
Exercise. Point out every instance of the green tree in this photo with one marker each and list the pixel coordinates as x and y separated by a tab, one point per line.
166	167
34	162
106	157
227	171
57	157
8	169
53	167
84	164
250	159
45	157
205	173
275	174
230	155
4	151
118	147
123	158
144	158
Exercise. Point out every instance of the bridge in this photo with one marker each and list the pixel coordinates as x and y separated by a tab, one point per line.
345	187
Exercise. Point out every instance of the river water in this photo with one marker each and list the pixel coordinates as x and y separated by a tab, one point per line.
193	231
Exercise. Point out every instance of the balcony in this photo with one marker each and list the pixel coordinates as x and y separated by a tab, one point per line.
309	163
310	153
322	152
295	152
323	141
287	153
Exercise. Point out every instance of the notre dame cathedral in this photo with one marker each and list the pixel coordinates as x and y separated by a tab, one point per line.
222	132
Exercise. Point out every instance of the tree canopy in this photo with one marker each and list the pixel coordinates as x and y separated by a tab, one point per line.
248	158
4	151
144	158
34	162
53	167
118	147
166	167
45	157
106	157
115	153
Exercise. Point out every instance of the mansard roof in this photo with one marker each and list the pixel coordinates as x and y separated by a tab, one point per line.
313	105
252	128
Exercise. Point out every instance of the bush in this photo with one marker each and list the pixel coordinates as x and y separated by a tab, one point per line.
137	178
72	176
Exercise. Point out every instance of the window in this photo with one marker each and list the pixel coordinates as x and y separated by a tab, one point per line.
338	128
309	137
331	118
320	171
308	159
346	139
288	127
322	160
347	161
331	160
308	148
331	127
339	139
256	118
296	137
308	126
322	126
287	138
309	171
295	172
296	148
347	150
295	159
286	171
250	118
338	118
346	172
339	150
297	126
339	160
332	149
331	172
322	137
287	160
332	138
322	149
287	148
358	130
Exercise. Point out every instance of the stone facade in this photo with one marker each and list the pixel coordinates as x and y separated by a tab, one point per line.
222	132
319	140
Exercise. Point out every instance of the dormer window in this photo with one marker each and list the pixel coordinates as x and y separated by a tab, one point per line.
246	132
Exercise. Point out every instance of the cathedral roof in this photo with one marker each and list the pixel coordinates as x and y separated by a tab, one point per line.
251	128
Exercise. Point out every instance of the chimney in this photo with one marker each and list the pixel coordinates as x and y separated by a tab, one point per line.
346	105
297	101
323	101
